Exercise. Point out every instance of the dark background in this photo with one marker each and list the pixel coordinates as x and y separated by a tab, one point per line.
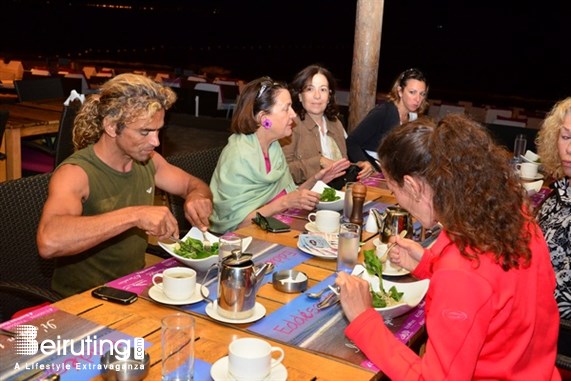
478	50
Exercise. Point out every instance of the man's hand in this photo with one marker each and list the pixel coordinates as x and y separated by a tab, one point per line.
197	210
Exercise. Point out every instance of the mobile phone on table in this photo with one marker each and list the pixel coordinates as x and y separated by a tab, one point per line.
271	224
114	295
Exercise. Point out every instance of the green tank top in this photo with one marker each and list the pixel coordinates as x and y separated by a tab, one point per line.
108	190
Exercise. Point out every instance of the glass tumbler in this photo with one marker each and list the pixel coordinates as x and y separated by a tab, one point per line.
228	243
348	202
520	144
348	246
177	340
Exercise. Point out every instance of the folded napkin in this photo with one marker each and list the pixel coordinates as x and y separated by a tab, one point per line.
73	96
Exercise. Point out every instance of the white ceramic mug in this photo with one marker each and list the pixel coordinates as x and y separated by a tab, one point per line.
326	221
528	170
531	156
251	359
178	283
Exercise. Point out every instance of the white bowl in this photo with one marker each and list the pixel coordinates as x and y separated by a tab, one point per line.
329	205
531	156
204	263
414	292
532	187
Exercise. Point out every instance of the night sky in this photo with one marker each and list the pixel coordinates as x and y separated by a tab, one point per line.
466	49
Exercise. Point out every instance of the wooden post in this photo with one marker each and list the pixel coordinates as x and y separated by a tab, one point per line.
366	51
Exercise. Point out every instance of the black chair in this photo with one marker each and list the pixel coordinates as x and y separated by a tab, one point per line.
39	89
40	158
563	360
198	163
25	278
3	120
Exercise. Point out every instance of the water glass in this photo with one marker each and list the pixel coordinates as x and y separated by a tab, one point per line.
228	243
520	144
177	340
348	246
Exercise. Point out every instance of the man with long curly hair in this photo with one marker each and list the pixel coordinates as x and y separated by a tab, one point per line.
100	208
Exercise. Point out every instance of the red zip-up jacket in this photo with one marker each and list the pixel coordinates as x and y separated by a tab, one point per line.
483	323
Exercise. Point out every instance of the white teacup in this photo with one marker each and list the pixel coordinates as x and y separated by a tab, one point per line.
251	359
528	170
531	156
178	283
326	221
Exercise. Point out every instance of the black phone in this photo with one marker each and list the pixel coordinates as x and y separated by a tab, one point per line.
114	295
271	224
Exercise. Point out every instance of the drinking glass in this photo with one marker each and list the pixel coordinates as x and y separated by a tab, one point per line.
177	339
228	243
520	144
348	246
348	202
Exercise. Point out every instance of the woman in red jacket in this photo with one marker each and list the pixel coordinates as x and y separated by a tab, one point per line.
490	311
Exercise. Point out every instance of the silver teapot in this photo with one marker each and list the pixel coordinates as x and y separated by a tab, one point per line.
393	221
238	282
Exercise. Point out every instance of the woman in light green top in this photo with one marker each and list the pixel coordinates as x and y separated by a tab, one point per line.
252	174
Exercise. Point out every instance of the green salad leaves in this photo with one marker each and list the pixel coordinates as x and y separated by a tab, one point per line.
329	195
194	249
382	298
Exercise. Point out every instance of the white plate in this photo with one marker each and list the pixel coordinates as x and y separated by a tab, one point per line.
539	176
388	269
157	295
212	311
204	263
414	292
330	205
219	371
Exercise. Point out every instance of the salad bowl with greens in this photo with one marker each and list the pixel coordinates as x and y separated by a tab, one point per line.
192	253
331	199
390	299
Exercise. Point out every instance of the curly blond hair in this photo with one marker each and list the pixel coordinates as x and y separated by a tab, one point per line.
122	100
548	136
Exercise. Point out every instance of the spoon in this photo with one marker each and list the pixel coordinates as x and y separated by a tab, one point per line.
317	295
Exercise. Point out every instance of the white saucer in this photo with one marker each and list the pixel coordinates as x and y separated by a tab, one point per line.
212	311
539	176
311	227
219	371
158	296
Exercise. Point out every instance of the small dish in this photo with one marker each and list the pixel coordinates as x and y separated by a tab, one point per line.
212	311
290	281
388	268
219	371
157	295
336	205
539	176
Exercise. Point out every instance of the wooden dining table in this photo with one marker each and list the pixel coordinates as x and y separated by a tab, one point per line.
32	118
142	319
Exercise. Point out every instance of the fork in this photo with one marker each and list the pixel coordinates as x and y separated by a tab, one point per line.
206	244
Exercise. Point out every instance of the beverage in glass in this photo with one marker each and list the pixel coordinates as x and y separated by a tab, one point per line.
348	246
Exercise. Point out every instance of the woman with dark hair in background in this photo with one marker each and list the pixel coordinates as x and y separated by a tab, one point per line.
318	139
407	99
490	311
